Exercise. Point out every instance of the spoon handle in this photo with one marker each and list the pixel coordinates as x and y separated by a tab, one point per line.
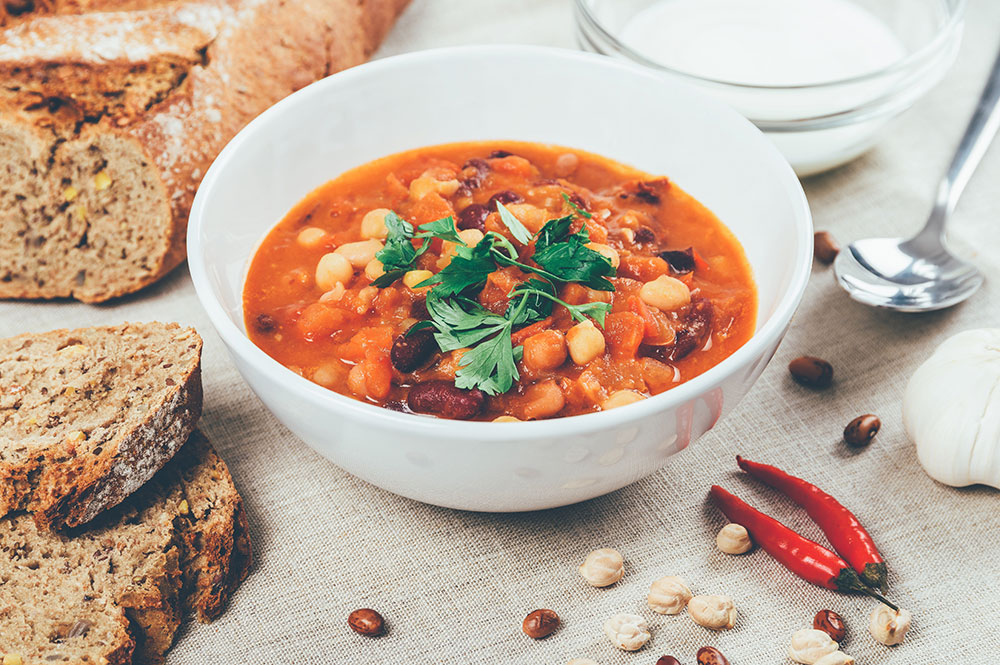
978	136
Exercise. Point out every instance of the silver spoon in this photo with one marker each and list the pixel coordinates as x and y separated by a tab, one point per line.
919	274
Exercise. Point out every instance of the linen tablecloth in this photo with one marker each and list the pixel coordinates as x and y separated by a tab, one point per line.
454	586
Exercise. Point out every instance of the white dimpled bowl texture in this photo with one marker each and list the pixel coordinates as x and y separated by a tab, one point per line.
579	100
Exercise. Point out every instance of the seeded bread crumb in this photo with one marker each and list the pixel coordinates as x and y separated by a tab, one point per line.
89	415
117	589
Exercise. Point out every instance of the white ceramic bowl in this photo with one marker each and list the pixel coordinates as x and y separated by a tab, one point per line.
573	99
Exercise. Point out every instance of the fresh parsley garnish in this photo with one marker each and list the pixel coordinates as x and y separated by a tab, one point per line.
398	254
517	229
564	254
458	321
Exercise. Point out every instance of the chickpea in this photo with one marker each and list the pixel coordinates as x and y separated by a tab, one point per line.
621	398
585	342
327	375
331	269
543	400
359	253
373	223
603	567
531	216
545	350
733	539
713	612
889	626
424	185
471	237
413	277
665	293
566	163
374	269
506	419
310	237
607	251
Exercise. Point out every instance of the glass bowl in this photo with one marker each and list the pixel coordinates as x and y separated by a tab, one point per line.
817	126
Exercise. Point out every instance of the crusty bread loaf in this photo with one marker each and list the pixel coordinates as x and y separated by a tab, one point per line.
116	590
89	415
112	110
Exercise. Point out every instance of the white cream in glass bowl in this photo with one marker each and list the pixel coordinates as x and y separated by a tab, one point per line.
554	96
822	78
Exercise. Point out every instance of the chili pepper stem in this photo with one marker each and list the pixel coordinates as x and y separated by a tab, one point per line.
876	595
847	581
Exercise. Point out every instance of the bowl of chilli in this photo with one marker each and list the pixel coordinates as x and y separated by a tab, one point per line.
500	278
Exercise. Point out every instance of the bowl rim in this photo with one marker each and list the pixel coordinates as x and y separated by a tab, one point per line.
915	59
409	425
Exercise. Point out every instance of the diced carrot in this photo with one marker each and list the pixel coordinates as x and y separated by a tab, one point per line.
596	231
430	208
624	332
378	375
513	165
319	320
643	268
377	340
396	188
574	294
518	337
652	326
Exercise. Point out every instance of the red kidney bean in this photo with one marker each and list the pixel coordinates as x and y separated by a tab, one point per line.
410	352
418	310
711	656
366	622
830	623
540	624
505	197
443	399
681	261
697	326
473	217
668	660
500	154
860	431
811	371
825	248
474	172
644	234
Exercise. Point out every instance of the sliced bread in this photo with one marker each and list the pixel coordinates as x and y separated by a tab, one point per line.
89	415
115	591
112	110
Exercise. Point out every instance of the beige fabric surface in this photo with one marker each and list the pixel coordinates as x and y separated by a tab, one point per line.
454	586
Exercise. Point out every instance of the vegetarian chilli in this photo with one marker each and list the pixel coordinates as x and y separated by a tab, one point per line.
499	281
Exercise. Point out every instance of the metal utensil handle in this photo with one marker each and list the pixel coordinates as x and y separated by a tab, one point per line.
978	136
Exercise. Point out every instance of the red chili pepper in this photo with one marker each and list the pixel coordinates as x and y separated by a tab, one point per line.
841	527
807	559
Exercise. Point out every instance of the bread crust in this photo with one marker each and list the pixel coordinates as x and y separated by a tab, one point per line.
245	65
62	491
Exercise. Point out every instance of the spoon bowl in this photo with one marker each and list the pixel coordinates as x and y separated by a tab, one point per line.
905	275
919	274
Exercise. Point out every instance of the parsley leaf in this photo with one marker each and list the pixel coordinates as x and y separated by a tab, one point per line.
526	306
517	229
468	268
398	254
569	257
491	362
580	212
526	290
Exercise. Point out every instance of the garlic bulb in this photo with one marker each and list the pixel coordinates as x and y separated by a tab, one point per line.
951	410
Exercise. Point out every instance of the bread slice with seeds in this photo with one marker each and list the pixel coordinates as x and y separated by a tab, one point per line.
116	590
112	110
89	415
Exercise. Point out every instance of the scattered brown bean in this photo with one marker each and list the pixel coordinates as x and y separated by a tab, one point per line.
265	323
409	352
860	431
825	247
668	660
711	656
830	623
540	623
811	371
366	622
442	398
